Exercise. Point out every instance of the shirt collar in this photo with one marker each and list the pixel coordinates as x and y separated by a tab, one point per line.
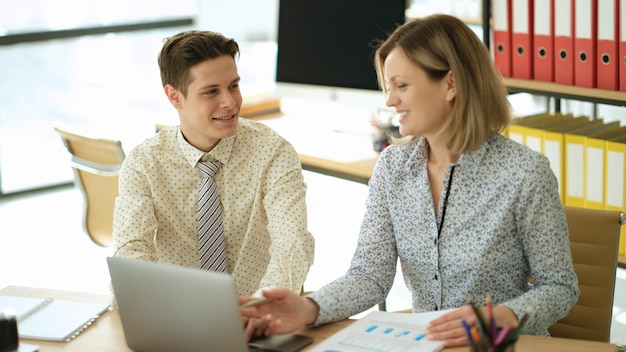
221	152
468	159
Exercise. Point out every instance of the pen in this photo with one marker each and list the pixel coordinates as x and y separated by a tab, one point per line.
468	329
255	302
478	342
515	333
502	336
522	323
480	321
492	319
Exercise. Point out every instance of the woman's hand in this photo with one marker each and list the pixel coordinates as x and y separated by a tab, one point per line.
449	327
286	312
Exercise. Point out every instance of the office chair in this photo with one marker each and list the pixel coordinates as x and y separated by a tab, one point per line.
594	238
158	126
96	164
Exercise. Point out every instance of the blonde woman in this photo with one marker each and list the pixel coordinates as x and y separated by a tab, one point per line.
467	211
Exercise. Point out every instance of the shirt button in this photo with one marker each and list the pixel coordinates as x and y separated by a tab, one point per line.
435	276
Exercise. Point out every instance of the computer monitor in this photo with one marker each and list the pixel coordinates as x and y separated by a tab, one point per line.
330	42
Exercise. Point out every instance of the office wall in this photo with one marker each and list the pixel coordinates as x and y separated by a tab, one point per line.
257	20
244	20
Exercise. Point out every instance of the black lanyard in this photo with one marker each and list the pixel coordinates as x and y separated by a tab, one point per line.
445	202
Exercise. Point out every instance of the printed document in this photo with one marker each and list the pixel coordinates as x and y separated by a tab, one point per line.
384	332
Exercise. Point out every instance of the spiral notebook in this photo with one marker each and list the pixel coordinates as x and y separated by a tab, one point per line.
52	319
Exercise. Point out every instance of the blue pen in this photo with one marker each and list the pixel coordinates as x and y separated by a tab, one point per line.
468	331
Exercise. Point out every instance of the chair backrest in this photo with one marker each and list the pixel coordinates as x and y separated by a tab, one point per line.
96	163
594	238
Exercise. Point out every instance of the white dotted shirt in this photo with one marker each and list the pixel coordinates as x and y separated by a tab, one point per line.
262	193
504	223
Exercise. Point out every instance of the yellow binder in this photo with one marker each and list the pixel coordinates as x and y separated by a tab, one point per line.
594	129
609	133
530	118
615	183
548	143
518	129
618	138
575	170
594	173
582	127
553	147
569	123
516	133
615	176
549	120
533	138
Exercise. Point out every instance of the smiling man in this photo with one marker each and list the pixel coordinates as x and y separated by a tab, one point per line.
263	232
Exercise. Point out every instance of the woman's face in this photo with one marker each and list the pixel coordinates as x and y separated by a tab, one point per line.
423	104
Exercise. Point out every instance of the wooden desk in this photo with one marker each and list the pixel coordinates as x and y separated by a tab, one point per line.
106	333
357	171
331	138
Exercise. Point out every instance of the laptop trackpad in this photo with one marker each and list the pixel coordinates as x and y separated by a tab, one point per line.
281	343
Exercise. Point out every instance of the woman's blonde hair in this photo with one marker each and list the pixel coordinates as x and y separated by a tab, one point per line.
439	44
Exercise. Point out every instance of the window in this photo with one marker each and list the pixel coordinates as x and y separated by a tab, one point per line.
87	67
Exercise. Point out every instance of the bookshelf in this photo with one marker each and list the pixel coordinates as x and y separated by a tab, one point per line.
557	91
561	91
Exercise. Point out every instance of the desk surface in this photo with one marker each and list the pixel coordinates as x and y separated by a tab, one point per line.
330	138
106	334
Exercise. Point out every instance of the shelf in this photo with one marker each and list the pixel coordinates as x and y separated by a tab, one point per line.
593	95
557	91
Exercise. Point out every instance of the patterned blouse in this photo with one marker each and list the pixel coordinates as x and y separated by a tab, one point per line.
261	190
503	224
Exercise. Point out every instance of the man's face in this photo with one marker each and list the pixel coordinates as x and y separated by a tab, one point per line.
210	110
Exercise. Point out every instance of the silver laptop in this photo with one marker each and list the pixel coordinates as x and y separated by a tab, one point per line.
171	308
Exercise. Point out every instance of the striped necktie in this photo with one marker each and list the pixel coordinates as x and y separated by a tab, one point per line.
210	227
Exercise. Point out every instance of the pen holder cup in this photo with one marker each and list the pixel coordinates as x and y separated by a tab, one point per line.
9	341
509	348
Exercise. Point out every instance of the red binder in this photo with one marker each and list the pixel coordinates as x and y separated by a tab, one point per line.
608	44
585	42
543	43
621	62
502	35
522	38
564	42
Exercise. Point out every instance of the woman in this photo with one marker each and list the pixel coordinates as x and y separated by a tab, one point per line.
468	212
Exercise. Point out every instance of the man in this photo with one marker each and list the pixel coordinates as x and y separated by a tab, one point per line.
259	178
